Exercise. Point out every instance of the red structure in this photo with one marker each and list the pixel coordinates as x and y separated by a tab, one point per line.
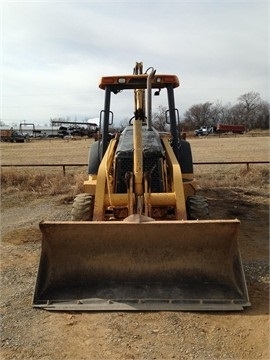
235	129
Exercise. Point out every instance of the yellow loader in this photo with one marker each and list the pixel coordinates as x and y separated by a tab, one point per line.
140	237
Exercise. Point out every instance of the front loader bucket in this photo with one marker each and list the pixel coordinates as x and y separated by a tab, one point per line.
159	265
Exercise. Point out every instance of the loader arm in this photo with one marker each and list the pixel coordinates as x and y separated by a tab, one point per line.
103	186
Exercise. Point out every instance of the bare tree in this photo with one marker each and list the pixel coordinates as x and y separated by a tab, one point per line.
237	114
199	115
220	113
250	103
262	120
159	119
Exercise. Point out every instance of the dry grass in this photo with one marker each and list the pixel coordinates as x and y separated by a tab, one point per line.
257	176
51	180
40	182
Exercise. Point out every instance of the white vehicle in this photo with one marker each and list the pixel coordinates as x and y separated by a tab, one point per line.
203	130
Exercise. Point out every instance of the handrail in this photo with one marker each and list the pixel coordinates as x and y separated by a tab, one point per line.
248	162
231	162
46	165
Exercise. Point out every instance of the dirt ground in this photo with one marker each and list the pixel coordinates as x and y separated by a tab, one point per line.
28	333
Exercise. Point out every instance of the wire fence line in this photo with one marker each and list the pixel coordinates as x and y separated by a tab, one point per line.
64	166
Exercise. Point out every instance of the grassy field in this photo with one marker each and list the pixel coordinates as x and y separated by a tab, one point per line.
50	180
239	148
209	148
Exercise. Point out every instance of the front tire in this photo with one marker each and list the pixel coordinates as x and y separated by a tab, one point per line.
197	208
82	208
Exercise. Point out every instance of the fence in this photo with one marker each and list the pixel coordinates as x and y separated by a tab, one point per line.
247	163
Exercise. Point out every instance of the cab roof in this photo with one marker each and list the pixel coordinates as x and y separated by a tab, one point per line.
121	82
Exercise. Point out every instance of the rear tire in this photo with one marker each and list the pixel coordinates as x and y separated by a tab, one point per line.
94	158
197	208
82	208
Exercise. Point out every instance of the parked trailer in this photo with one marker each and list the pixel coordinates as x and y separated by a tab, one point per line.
235	129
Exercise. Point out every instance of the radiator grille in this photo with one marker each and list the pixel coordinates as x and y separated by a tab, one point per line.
152	165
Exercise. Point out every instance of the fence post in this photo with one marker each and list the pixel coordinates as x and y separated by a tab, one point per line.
64	170
247	166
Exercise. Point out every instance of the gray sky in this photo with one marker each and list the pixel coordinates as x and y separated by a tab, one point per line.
54	53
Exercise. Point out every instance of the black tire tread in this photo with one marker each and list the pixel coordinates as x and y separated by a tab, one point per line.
197	208
82	207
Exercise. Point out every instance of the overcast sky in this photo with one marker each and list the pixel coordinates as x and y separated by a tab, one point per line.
54	53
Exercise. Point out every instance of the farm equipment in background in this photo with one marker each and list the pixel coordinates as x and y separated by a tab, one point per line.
13	136
33	132
141	238
74	128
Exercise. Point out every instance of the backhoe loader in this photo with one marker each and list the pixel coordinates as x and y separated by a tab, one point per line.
140	237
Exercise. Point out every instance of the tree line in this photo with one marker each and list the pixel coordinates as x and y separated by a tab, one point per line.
250	111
